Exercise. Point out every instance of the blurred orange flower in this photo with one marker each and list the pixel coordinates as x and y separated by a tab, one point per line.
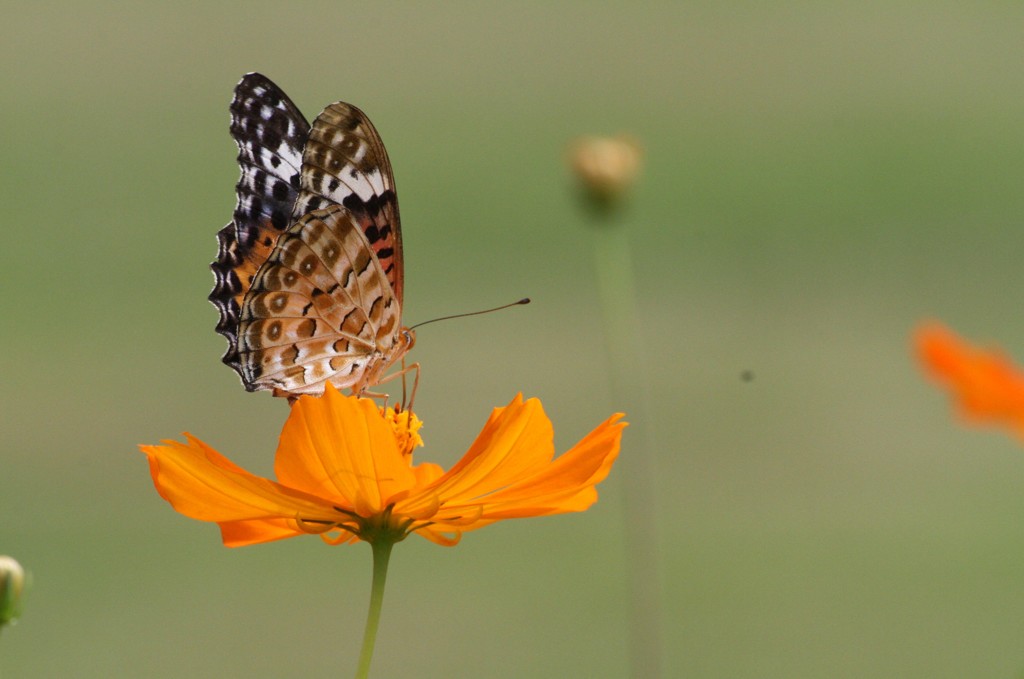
987	386
345	472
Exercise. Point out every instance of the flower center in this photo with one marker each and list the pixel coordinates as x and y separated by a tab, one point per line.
406	426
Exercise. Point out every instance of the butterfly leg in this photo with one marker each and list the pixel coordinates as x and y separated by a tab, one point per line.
406	405
415	383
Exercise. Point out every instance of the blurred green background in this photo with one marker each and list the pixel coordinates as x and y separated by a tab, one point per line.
819	177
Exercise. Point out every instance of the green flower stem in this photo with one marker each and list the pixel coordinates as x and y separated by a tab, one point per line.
381	556
627	369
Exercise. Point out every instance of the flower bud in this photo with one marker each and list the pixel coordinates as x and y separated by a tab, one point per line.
12	582
606	166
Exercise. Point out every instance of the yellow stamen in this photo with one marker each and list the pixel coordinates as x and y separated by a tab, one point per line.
406	426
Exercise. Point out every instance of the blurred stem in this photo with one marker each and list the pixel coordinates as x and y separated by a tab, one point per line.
381	556
627	370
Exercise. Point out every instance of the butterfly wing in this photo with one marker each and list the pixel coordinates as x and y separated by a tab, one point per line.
270	132
344	162
320	309
309	273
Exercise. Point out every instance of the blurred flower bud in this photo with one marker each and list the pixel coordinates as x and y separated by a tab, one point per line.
12	582
606	167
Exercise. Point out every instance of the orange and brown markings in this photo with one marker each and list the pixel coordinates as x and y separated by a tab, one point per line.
378	220
253	259
309	274
270	132
344	162
321	308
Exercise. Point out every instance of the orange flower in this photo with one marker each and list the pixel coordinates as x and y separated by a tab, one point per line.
986	384
345	472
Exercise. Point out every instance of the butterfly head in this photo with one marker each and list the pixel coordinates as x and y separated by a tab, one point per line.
407	339
380	360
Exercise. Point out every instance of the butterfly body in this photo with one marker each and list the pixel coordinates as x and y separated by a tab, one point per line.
309	273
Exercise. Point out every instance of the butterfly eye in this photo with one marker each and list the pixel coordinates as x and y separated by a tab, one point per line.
409	338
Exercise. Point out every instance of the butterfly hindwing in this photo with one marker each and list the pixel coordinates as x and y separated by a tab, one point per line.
270	132
321	308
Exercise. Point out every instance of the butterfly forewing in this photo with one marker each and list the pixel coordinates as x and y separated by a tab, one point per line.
320	309
270	132
344	162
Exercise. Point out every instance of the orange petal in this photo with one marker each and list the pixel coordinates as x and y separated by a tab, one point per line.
564	485
241	533
427	472
442	537
341	447
202	484
986	384
509	473
517	440
567	484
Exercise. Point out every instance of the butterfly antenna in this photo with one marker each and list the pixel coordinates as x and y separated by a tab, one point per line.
524	300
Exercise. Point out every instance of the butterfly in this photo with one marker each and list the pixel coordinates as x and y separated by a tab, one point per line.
309	272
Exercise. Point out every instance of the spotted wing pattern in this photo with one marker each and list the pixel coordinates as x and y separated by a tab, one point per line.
344	162
270	132
309	274
321	309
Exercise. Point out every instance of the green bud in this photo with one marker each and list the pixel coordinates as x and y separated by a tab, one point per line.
12	583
